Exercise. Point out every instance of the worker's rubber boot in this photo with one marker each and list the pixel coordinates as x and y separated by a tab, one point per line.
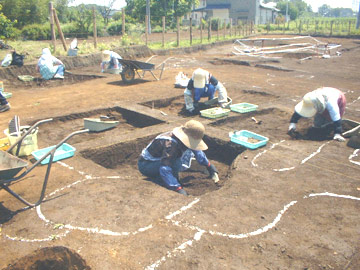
181	191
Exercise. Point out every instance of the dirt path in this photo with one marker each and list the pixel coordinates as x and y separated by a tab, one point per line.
292	204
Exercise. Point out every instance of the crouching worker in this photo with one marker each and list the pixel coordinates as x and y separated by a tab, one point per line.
49	66
326	105
110	62
203	84
171	152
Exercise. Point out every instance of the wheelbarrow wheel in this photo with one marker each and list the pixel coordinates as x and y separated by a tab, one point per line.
128	75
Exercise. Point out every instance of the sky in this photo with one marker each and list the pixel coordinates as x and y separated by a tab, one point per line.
315	4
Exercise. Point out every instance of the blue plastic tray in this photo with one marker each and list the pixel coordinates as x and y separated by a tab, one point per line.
64	151
243	107
243	136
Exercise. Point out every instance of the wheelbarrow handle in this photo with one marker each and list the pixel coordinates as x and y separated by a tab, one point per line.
19	141
51	152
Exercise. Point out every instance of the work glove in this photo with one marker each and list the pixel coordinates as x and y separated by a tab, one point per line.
214	174
292	126
339	138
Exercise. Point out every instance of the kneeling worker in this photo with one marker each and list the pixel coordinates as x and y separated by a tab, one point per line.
49	66
172	152
110	62
326	105
203	84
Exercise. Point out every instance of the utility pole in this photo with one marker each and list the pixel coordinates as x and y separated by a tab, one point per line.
287	10
358	18
148	15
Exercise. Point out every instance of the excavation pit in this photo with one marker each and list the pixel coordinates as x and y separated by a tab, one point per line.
123	157
174	105
50	258
38	82
54	131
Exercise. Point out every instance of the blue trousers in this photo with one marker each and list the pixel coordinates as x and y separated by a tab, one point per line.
207	91
152	169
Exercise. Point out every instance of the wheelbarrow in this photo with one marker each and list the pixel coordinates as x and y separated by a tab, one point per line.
129	67
11	165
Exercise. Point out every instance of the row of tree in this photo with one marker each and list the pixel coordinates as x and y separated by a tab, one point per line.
19	14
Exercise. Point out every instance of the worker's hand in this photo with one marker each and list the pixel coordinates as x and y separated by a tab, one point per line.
292	126
339	138
213	173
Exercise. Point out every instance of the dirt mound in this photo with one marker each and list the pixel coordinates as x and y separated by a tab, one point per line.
50	258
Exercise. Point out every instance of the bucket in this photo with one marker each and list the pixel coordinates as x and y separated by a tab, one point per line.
4	144
28	144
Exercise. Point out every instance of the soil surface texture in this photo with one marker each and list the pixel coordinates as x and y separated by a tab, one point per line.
291	203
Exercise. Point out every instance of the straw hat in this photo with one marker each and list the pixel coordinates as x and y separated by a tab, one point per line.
105	56
191	135
312	103
199	77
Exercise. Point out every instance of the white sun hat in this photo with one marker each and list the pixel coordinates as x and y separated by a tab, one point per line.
312	103
105	56
199	77
191	135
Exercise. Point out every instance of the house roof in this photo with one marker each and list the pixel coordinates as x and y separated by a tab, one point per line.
270	5
211	7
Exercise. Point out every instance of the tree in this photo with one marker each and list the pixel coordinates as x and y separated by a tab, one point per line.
106	10
168	8
6	26
324	10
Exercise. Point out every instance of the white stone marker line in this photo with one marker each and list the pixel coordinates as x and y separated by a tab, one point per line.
354	154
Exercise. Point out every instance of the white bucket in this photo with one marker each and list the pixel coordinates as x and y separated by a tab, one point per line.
29	143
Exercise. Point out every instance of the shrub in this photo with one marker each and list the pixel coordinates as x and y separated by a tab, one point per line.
115	28
36	32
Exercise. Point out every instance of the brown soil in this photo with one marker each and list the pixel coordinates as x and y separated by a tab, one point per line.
291	204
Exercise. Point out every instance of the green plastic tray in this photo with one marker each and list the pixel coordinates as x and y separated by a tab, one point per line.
215	112
243	107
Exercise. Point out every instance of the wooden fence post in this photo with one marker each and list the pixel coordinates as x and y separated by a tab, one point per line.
230	26
191	31
331	28
178	31
163	31
201	31
209	30
224	29
146	29
52	29
95	30
349	28
59	29
123	22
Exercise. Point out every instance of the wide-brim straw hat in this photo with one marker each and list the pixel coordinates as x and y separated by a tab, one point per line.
191	135
105	56
199	78
306	107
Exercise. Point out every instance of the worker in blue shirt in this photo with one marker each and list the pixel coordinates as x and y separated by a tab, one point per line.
172	152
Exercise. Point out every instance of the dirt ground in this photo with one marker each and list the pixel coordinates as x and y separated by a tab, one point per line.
291	204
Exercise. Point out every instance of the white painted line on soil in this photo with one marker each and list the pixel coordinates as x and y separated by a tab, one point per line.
49	238
182	209
290	168
176	250
354	154
263	152
333	195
